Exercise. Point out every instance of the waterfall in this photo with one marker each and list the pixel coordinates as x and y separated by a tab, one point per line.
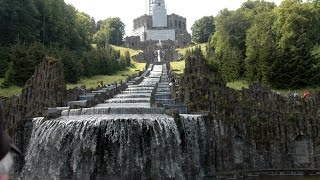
122	146
197	146
159	55
123	138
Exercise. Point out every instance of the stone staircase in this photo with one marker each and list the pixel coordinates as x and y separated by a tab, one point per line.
149	93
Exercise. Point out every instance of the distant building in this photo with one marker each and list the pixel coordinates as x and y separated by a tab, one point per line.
158	26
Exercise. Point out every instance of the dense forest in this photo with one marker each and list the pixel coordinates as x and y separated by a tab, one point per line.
33	29
278	46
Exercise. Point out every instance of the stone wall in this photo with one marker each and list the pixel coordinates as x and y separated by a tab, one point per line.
178	23
253	128
168	52
46	88
142	21
133	42
182	40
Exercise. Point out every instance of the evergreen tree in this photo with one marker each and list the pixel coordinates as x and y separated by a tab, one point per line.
18	22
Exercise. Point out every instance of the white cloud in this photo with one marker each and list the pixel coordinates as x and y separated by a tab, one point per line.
127	10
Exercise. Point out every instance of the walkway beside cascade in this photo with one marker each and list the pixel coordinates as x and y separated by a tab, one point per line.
163	95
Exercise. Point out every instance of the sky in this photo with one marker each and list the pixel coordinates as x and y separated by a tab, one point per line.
128	10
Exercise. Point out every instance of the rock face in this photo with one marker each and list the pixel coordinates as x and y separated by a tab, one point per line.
254	128
196	83
46	88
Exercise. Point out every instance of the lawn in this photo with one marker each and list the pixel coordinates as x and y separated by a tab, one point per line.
121	75
6	92
93	81
122	50
88	82
238	85
184	50
177	66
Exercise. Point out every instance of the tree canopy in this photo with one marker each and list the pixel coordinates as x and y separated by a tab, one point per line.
33	29
110	31
277	46
202	29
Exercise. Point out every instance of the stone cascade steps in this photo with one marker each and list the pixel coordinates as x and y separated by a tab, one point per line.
163	95
91	99
138	95
135	99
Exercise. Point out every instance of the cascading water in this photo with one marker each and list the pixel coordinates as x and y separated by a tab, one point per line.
133	95
128	100
119	139
123	146
197	146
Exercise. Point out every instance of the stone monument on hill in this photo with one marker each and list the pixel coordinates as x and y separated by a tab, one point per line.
157	25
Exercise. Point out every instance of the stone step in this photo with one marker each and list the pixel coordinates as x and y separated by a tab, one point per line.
137	91
166	101
113	110
136	95
162	96
79	104
88	97
124	105
182	109
163	89
128	100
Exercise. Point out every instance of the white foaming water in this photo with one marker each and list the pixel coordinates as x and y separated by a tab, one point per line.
118	145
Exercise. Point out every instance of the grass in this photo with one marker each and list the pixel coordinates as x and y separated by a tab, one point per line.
122	50
178	66
121	75
88	82
183	51
93	81
238	85
6	92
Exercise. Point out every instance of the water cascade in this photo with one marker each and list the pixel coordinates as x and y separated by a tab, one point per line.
123	138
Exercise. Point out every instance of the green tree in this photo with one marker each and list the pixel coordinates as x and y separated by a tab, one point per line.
4	56
229	42
85	26
18	22
58	24
111	31
202	29
261	48
297	28
22	61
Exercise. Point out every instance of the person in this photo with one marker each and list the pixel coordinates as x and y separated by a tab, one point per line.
7	147
173	81
306	95
290	94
